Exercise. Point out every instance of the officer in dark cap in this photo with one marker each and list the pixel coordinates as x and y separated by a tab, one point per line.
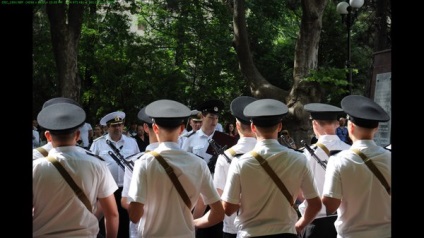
198	143
262	209
324	124
165	213
42	151
364	204
51	212
194	123
111	147
245	144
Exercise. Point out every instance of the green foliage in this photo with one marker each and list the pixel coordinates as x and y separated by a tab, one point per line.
273	31
333	81
185	52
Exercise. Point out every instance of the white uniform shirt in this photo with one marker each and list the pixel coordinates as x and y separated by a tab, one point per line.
198	144
332	142
35	138
36	154
84	129
127	181
127	146
57	211
244	144
365	209
165	213
264	210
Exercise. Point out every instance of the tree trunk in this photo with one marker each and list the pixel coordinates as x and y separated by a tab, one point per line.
65	28
306	58
259	86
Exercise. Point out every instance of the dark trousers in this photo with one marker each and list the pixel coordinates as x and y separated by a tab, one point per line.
124	220
229	235
282	235
321	228
210	232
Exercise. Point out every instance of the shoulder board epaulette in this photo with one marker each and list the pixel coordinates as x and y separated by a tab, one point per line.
98	138
97	156
138	157
334	152
198	156
190	134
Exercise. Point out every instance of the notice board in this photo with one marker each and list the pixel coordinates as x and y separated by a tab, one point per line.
381	93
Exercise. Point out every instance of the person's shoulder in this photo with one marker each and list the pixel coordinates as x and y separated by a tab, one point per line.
130	138
100	138
136	156
189	134
97	157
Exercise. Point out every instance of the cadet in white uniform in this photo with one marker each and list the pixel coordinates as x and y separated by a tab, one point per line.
245	144
262	209
42	151
57	210
324	124
363	202
154	199
153	144
126	146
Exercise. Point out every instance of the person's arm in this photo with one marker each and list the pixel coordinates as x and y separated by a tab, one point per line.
99	211
230	208
314	206
212	217
331	204
135	211
199	209
110	211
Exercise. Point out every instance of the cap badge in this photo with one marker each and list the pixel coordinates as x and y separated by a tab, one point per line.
215	109
117	118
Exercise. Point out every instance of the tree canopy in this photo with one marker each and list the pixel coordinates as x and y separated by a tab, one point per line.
130	53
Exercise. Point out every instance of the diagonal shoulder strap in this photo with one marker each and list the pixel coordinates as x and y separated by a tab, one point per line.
71	182
324	148
173	178
273	176
42	151
373	169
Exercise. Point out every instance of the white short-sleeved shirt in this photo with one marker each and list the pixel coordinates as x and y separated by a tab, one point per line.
244	144
84	129
56	208
332	142
165	213
264	210
36	154
127	181
198	144
35	138
219	127
127	146
365	209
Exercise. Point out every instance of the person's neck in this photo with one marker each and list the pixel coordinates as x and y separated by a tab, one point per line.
208	131
115	138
